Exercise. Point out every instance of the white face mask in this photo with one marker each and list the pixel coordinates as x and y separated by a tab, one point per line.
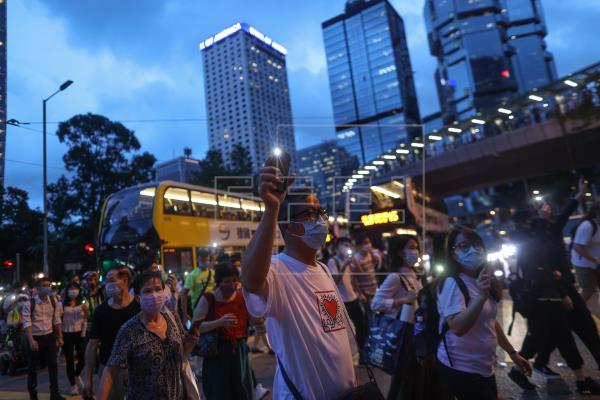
73	293
411	257
470	259
314	234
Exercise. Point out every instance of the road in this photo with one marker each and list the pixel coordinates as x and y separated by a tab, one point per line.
15	387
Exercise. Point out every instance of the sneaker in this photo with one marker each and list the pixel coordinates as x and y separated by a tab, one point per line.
520	379
74	390
588	387
546	372
260	391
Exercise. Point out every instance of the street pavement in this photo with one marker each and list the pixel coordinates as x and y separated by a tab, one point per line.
15	387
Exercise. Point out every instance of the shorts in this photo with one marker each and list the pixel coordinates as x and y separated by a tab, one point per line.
588	280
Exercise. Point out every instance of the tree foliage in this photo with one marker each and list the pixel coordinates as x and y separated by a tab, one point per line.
102	158
20	231
234	172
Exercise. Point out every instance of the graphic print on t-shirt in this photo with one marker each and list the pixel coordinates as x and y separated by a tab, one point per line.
330	309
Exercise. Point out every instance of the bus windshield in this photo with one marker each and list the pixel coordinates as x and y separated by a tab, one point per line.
128	216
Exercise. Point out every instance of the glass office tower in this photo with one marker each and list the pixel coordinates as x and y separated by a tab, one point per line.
533	65
370	79
487	51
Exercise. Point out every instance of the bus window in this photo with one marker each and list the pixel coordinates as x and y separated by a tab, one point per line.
229	208
251	209
177	201
178	259
203	204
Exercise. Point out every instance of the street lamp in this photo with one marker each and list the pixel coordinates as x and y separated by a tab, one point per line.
62	87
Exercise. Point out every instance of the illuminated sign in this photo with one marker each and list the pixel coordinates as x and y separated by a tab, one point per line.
247	28
380	218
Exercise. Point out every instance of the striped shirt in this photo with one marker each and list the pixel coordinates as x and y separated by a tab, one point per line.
73	319
365	267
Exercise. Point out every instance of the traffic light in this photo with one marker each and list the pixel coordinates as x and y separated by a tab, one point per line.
89	249
8	264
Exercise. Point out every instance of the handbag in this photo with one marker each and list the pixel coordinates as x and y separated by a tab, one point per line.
390	340
189	382
208	342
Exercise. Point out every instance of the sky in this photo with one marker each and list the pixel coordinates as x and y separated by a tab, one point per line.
138	62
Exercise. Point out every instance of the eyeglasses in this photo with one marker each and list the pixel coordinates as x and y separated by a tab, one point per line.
465	246
311	214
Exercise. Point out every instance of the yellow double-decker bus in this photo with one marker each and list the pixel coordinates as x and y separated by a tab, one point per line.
171	221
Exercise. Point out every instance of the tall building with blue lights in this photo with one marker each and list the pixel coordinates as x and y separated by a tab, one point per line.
533	65
246	92
370	79
487	52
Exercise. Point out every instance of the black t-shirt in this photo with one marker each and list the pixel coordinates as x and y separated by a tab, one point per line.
106	324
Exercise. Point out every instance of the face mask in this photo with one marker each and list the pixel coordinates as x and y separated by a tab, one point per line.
203	265
45	291
411	257
367	248
73	293
153	302
470	259
227	290
315	233
112	289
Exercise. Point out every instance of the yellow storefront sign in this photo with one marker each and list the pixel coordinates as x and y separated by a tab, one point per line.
380	218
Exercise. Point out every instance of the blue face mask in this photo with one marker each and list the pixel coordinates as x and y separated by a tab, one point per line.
112	289
471	259
45	291
314	234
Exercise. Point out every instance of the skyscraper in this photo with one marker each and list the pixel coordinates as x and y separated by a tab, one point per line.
533	64
3	71
370	78
247	95
474	62
487	51
324	163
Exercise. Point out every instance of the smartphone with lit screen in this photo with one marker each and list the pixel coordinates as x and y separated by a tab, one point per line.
281	160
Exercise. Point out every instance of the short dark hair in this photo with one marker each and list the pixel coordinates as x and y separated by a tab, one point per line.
360	239
39	282
343	240
202	254
224	270
143	278
294	197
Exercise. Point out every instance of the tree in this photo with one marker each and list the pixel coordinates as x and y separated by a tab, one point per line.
241	163
213	166
103	157
20	231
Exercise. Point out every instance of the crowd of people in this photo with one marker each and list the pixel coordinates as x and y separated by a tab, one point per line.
147	335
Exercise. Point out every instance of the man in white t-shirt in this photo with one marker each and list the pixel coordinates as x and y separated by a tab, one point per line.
305	314
585	255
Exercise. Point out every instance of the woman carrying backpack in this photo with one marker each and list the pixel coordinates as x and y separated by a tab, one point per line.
400	288
467	303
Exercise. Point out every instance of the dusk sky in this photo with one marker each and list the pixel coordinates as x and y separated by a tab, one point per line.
135	60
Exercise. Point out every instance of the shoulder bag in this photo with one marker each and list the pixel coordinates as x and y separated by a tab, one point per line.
208	342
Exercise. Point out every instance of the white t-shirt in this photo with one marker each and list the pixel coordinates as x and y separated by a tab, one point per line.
583	236
306	325
475	351
345	284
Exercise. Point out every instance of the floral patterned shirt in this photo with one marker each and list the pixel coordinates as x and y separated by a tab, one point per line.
153	365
